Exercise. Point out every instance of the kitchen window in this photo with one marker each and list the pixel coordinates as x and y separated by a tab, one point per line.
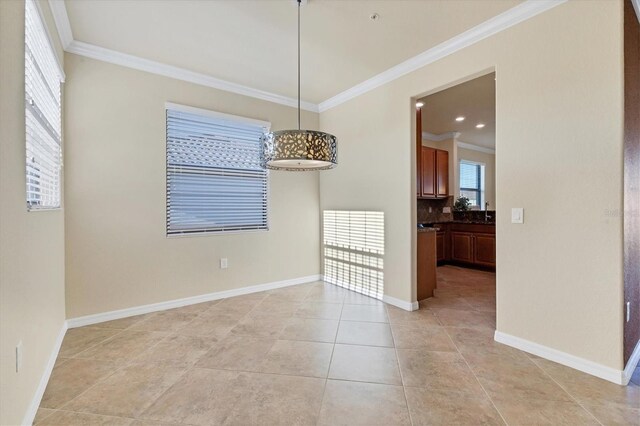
472	182
216	181
43	123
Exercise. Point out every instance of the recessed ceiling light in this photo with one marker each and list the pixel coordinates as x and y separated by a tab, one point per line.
461	118
419	104
374	16
479	126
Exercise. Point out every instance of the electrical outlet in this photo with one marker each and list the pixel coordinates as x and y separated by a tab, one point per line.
18	356
628	311
224	263
430	210
446	210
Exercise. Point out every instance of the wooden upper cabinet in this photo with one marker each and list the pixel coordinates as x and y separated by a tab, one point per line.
442	173
428	158
433	174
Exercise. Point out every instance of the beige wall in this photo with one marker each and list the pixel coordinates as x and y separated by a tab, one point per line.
31	244
117	253
559	280
489	161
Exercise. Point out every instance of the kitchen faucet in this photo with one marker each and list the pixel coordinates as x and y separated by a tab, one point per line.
486	207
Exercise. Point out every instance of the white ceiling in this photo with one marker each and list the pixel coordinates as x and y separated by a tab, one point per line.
253	42
475	100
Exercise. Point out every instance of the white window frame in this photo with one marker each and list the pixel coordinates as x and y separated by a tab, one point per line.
482	180
266	125
50	45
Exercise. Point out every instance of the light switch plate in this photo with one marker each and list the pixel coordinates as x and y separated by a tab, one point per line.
517	215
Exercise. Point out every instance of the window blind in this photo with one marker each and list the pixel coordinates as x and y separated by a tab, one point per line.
354	250
471	182
42	114
216	181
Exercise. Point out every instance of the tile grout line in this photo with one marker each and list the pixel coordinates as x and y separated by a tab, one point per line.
567	392
125	365
476	377
326	380
93	414
395	349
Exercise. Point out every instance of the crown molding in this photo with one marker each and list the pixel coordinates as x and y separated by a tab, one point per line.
511	17
473	147
141	64
60	17
438	138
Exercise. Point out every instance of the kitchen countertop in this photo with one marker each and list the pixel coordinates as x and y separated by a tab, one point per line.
463	222
431	229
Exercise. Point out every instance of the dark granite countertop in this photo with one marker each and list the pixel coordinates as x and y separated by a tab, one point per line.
428	229
465	222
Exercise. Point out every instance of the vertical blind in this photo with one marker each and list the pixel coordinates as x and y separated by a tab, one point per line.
354	250
42	114
216	180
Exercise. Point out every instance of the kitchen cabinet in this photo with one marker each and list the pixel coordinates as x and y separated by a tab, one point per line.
434	173
462	246
442	173
484	252
426	263
428	176
466	243
441	246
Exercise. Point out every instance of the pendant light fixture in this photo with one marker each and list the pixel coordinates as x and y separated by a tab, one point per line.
300	150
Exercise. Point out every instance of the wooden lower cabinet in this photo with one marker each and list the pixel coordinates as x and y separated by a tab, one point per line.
426	264
469	244
484	252
462	246
441	246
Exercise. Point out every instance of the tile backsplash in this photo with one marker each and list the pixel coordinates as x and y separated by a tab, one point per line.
436	214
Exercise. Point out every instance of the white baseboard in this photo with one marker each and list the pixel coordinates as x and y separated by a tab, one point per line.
177	303
35	402
581	364
407	306
631	365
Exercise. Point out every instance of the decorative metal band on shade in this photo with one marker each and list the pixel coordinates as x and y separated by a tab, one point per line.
300	150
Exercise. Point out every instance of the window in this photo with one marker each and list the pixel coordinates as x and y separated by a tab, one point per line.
42	78
472	182
354	250
216	181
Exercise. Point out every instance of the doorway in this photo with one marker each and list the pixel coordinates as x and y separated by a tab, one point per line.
456	202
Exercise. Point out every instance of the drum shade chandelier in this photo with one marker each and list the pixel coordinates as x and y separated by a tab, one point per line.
300	150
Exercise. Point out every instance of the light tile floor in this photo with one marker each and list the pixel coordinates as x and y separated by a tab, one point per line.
319	354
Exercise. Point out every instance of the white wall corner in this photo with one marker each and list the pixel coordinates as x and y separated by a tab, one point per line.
177	303
472	147
566	359
44	380
402	304
632	363
60	17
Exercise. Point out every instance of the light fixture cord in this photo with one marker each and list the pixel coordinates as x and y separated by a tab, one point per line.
299	2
